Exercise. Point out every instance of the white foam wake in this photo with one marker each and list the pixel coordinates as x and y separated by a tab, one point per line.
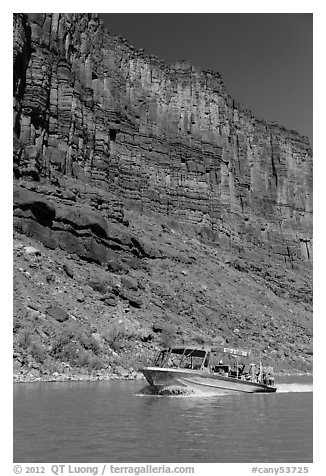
177	391
294	387
187	392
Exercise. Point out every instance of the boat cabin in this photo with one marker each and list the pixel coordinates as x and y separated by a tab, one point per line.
224	361
183	358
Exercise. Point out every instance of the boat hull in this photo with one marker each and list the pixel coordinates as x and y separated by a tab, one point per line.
163	379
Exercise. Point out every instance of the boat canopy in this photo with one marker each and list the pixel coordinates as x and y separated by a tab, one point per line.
187	351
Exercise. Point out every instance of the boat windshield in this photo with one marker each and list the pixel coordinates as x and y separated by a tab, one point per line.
185	358
162	358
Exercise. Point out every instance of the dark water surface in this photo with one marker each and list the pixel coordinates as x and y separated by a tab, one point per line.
114	422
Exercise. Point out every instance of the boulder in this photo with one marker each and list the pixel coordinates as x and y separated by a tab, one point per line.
148	249
30	250
115	265
121	371
133	299
157	327
129	283
57	313
98	284
111	301
68	270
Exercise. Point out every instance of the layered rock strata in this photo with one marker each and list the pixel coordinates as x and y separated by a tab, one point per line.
66	221
168	140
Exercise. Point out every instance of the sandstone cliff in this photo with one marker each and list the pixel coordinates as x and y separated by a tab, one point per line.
101	129
166	139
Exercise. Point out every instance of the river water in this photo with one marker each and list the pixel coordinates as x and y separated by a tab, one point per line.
116	421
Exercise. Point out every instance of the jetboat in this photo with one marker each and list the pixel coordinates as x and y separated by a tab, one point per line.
221	370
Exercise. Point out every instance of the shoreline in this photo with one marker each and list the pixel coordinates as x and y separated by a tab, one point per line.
64	377
107	377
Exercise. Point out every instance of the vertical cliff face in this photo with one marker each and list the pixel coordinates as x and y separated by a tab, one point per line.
167	140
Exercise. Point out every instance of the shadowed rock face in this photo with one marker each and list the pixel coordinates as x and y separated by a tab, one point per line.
77	229
168	140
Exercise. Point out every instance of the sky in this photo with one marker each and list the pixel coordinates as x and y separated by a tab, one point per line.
266	59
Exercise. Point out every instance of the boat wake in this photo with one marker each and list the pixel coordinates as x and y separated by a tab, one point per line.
294	387
178	391
175	391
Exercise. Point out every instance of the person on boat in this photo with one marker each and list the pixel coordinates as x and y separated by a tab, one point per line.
252	372
241	368
259	376
173	362
270	376
270	379
221	368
